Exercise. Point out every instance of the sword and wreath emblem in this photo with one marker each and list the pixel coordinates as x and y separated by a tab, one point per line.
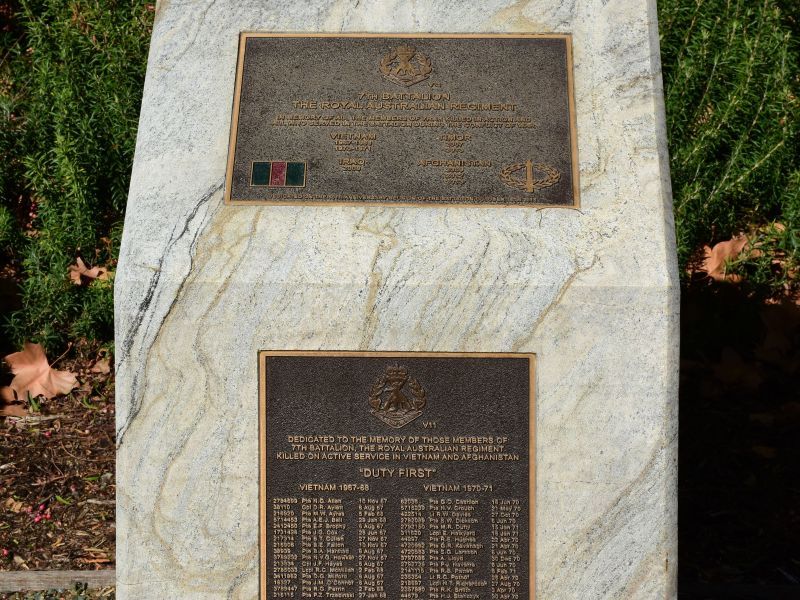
390	404
547	176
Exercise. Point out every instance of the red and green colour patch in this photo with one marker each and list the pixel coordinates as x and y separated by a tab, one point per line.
278	173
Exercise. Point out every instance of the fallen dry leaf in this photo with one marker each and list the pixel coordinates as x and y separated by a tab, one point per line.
34	376
734	371
79	271
14	506
13	410
767	452
780	322
101	366
766	419
7	394
9	406
715	258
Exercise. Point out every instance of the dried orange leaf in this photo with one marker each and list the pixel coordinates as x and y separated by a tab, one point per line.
34	376
765	451
7	395
767	419
101	366
780	322
79	271
716	257
14	506
13	410
733	370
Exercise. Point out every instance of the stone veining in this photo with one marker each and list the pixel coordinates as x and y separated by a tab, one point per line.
202	287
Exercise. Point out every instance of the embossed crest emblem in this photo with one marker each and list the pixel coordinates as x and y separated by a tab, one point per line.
390	404
405	66
529	176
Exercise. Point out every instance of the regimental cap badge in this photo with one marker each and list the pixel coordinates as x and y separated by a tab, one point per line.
388	402
405	66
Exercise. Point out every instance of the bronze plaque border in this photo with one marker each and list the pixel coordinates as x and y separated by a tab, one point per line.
263	356
245	35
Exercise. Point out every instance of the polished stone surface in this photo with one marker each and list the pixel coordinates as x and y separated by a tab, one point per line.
202	287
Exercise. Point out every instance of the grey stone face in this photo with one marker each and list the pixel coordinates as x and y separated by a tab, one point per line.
203	286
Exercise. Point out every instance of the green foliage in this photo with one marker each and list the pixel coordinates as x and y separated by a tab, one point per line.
73	83
8	230
70	88
731	88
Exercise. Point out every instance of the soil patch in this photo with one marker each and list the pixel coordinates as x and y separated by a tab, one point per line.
57	492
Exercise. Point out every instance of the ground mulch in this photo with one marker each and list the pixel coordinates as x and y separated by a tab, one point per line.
79	592
57	491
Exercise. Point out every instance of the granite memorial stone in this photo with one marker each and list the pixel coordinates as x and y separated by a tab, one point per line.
397	307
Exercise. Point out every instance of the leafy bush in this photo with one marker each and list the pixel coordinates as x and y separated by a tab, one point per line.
731	89
71	95
70	88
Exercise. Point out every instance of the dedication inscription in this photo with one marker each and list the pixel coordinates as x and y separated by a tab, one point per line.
403	119
406	476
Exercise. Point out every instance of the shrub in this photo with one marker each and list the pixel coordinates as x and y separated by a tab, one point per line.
71	95
733	116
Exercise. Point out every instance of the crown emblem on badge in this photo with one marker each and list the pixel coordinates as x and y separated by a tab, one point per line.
388	402
529	181
405	66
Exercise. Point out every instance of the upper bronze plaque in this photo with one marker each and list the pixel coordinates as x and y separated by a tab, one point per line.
408	119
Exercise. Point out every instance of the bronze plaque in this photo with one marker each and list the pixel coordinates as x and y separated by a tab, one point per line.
403	119
396	476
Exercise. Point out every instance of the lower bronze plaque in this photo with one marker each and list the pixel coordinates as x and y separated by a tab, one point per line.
408	119
396	476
